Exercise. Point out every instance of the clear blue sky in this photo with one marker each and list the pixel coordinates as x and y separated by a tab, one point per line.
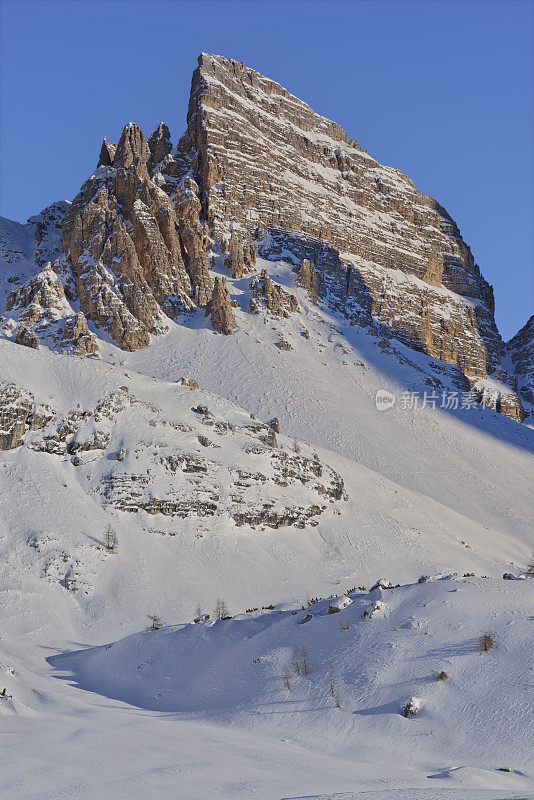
442	90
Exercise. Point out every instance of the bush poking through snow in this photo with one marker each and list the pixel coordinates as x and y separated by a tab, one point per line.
155	622
111	540
411	708
344	626
486	643
442	676
529	572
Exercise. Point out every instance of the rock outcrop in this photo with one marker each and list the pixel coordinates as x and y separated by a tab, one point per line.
267	294
40	308
48	232
121	239
241	255
77	337
163	463
15	407
307	278
520	351
160	146
107	153
220	308
27	337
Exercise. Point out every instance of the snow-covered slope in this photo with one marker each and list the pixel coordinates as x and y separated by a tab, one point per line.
427	490
452	495
292	703
349	673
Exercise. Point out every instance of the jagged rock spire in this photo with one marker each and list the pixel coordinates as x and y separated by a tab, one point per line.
308	279
132	149
120	236
220	308
107	153
241	257
160	145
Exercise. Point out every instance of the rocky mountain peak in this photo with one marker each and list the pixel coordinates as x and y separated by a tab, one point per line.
259	173
160	145
107	153
132	150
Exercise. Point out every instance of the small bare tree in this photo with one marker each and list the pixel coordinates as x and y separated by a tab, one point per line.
331	678
486	643
304	660
221	610
287	676
333	689
111	540
344	626
530	566
299	663
198	611
155	622
295	661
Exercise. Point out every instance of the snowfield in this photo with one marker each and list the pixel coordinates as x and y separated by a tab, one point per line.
234	671
206	505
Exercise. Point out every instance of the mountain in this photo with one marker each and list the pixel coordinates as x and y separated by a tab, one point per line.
258	172
259	367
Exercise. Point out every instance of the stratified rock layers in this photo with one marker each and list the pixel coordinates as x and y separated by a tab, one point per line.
382	250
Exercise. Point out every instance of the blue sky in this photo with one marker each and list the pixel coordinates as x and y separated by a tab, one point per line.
442	90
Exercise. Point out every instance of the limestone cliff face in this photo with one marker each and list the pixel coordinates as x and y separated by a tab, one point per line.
520	350
383	251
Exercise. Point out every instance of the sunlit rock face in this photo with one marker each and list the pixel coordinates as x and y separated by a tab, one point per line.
265	161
